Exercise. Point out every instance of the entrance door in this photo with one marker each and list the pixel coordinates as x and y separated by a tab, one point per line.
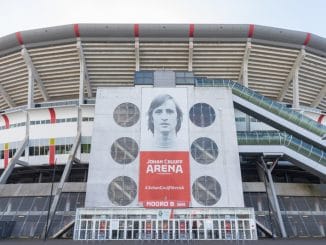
101	229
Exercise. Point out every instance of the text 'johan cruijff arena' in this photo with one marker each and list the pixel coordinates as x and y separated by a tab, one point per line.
162	132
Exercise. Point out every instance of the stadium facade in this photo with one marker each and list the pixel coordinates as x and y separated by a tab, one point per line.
162	132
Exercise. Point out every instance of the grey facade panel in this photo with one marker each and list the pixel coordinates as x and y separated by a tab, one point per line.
60	34
106	30
220	31
279	35
48	34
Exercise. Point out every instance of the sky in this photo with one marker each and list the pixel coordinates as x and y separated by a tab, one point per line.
301	15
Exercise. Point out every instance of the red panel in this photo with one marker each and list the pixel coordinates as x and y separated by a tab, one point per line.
6	119
6	157
52	115
19	38
307	40
320	118
76	30
136	30
52	155
251	30
164	180
191	30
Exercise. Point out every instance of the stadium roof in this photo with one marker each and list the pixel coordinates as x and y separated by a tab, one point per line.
112	53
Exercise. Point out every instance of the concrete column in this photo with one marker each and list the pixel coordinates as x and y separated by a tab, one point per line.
245	73
30	96
137	68
81	81
191	50
295	84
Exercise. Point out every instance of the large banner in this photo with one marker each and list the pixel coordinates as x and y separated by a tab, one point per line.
164	177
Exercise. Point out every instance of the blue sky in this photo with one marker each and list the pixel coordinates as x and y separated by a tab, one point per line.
302	15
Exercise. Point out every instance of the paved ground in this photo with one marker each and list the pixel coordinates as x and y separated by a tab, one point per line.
259	242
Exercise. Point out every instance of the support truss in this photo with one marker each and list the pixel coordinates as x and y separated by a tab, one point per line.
84	78
6	97
14	160
34	74
137	58
63	179
243	75
319	97
267	166
191	51
292	76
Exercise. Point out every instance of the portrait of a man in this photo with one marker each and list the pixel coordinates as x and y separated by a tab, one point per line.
164	120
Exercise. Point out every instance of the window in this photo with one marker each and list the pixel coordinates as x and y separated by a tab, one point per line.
124	150
126	114
202	115
122	190
204	150
206	190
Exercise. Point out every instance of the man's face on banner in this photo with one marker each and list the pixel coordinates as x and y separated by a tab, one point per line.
165	118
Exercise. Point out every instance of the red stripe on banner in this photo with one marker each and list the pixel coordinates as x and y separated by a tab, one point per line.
172	214
6	119
320	118
136	30
76	30
19	38
307	40
191	30
51	155
52	115
6	157
251	30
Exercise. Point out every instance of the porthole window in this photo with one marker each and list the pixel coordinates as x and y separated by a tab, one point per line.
122	191
124	150
206	190
126	114
202	115
204	150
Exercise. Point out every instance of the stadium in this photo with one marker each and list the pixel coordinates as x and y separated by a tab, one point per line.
162	132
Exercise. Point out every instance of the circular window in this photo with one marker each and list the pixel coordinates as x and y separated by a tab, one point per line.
126	114
204	150
202	115
206	190
122	190
124	150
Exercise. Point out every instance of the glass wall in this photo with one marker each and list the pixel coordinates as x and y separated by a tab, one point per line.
165	224
302	216
30	213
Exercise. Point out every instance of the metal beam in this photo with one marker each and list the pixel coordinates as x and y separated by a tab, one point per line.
7	172
34	73
84	78
264	229
268	171
191	51
22	163
295	69
319	97
6	97
243	75
137	58
63	179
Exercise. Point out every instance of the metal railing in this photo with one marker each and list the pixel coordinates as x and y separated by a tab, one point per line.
266	103
282	138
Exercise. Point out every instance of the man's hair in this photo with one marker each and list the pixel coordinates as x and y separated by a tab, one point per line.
158	101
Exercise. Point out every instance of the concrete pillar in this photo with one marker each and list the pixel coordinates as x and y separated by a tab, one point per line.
30	96
295	84
137	62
